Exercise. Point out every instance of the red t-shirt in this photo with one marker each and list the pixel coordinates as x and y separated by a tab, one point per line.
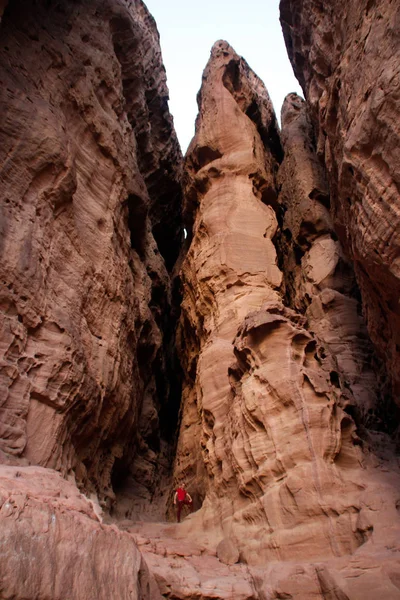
181	494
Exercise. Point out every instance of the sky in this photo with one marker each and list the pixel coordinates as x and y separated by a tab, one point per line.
188	30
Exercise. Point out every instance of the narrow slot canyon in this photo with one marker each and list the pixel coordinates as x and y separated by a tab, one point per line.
228	319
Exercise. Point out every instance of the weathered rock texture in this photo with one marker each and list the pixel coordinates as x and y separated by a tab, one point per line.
230	267
276	365
53	545
319	279
90	227
90	231
283	442
346	56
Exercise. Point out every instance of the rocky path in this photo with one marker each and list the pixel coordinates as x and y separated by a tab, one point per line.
185	565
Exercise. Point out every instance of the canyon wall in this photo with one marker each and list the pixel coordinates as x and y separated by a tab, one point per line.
286	432
346	57
91	228
319	279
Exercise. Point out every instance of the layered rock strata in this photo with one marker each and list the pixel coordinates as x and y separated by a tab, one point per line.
90	230
346	56
268	445
90	227
185	566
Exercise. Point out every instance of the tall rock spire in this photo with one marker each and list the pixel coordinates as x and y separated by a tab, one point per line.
268	445
230	268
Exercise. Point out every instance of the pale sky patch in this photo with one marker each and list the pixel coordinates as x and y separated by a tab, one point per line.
189	29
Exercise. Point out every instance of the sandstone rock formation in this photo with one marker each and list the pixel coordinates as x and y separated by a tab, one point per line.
90	169
346	56
319	279
53	545
284	429
90	230
276	364
231	266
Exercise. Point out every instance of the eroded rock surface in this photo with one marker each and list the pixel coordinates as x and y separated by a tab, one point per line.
319	278
295	484
276	363
53	544
347	58
90	227
230	267
90	230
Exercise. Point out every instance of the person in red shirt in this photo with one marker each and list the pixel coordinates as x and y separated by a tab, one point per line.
182	497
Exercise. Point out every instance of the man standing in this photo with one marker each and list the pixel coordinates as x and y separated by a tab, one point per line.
182	497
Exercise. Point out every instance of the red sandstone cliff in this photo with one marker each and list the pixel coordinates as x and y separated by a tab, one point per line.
285	434
319	278
280	380
346	56
89	181
90	228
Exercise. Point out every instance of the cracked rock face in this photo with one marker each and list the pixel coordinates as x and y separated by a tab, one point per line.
346	57
276	356
90	185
